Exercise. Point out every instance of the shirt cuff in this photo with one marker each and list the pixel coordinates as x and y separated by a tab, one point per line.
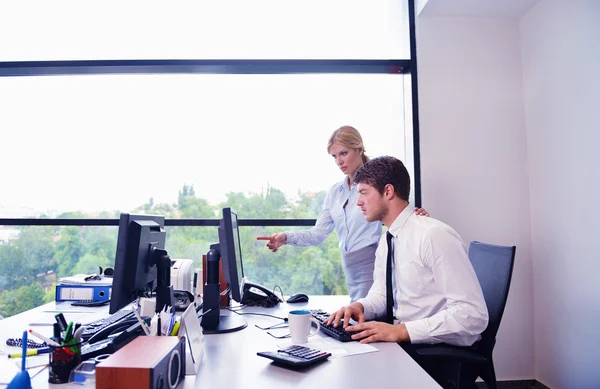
367	311
418	331
290	238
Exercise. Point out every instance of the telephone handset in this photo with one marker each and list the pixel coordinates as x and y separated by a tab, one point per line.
119	326
255	294
111	338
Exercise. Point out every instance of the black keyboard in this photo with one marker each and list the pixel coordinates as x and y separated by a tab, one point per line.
89	303
295	357
335	332
100	324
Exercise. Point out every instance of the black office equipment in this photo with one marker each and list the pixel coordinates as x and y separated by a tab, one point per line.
89	303
142	266
229	251
111	339
493	266
297	298
335	332
100	324
295	356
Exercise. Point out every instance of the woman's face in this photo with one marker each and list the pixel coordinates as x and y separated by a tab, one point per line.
347	159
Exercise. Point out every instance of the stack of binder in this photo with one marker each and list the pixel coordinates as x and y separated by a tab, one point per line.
76	288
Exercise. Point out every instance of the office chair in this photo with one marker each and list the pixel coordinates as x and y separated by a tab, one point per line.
493	266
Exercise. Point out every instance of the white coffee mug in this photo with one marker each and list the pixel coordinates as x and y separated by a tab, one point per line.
299	322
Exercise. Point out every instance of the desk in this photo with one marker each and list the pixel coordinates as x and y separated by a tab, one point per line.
230	359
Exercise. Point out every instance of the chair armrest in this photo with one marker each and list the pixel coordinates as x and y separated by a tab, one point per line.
454	353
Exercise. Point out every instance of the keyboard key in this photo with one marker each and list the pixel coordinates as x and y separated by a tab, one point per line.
335	332
295	357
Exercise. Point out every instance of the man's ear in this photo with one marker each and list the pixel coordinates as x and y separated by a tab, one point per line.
389	192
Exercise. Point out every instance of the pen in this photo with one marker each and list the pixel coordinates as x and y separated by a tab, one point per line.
159	329
29	353
48	341
24	351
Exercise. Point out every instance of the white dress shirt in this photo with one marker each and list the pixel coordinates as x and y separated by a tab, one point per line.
437	294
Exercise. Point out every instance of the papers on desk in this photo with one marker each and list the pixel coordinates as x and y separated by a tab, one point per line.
46	318
330	345
10	367
79	279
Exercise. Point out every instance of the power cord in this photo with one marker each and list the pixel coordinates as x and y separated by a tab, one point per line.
280	291
259	314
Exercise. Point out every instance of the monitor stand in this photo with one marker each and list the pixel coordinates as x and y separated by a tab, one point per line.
211	320
227	324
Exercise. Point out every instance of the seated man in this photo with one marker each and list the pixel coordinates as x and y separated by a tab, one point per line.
435	296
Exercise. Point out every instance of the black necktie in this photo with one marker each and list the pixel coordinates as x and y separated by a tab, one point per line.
389	293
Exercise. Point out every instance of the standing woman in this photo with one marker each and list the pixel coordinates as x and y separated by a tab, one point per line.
357	237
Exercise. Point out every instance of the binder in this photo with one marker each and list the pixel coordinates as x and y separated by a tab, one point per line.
83	292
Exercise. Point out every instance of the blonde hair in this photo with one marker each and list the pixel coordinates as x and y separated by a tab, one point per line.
348	136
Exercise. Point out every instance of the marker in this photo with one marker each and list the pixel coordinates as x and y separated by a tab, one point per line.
68	333
62	322
30	353
48	341
175	329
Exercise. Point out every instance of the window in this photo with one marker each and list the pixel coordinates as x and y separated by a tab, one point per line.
181	110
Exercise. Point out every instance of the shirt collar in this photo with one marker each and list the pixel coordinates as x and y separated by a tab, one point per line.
344	185
401	220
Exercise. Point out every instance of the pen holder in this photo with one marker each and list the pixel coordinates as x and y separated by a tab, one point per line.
62	361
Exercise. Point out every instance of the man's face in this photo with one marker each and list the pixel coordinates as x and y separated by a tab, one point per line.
371	203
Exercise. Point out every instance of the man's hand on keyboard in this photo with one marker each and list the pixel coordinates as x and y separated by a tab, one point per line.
375	331
354	311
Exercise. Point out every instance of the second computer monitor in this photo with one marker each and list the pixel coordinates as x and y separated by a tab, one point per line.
231	253
135	272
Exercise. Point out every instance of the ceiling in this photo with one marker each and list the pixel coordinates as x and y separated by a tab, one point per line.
513	9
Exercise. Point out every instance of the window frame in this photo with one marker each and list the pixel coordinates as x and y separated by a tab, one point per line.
229	66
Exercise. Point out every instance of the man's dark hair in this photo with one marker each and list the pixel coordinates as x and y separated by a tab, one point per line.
381	171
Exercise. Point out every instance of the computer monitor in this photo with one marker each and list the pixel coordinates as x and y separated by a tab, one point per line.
231	253
140	259
228	250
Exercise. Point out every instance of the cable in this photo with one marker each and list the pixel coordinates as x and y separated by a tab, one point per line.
17	342
260	314
281	291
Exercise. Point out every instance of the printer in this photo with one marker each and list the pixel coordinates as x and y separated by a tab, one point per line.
182	273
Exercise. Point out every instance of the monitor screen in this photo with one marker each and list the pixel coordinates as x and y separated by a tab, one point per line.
135	272
231	253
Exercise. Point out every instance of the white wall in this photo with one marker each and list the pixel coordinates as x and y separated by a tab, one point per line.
561	76
474	158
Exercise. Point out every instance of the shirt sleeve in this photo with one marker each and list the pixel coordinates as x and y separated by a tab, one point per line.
375	303
316	235
465	312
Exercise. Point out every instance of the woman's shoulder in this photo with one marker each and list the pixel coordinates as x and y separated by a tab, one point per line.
337	187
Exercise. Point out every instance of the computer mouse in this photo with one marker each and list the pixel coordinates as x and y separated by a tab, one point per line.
298	298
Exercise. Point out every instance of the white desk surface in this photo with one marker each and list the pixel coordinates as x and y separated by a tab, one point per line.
230	359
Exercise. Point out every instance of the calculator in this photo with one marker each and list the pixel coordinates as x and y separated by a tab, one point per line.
295	357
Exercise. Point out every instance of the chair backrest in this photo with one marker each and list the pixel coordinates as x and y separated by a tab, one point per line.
493	266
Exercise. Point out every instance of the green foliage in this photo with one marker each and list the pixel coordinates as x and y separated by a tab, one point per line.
50	294
18	300
70	250
89	264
